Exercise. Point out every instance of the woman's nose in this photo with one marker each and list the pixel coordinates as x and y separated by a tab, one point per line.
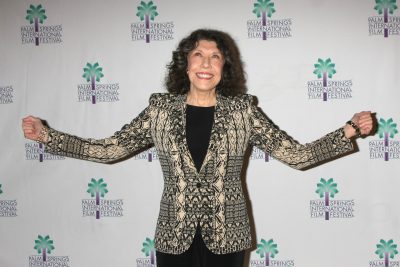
206	62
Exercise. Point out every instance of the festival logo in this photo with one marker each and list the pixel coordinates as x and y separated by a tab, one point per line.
6	94
96	92
325	88
267	28
328	208
267	251
260	154
384	25
387	148
36	151
8	208
149	30
149	155
101	207
150	252
44	246
39	34
386	250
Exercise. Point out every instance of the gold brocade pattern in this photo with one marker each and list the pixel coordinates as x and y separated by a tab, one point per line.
212	197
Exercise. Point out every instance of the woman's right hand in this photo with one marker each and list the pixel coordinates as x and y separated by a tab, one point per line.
32	127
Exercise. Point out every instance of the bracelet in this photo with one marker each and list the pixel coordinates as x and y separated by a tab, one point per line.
355	127
44	132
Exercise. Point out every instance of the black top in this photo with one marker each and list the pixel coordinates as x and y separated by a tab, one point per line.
199	121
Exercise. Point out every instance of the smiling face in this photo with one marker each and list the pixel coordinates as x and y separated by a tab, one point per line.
205	63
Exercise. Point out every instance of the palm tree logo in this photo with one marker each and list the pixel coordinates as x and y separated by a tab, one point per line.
97	188
36	15
44	245
267	250
149	249
324	69
264	8
326	189
387	129
386	250
93	73
147	12
385	7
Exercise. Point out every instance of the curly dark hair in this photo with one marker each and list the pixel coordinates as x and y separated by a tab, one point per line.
233	80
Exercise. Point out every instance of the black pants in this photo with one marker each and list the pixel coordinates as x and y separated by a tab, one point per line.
198	255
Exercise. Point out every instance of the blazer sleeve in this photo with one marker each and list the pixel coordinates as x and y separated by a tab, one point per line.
132	137
268	137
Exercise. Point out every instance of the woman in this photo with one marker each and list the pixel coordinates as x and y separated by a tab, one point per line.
201	130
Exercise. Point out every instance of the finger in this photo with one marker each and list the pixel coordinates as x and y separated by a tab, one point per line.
365	126
28	118
25	121
363	115
25	126
365	120
27	129
366	131
366	114
28	132
31	118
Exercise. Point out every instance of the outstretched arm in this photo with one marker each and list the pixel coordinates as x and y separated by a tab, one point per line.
266	136
131	138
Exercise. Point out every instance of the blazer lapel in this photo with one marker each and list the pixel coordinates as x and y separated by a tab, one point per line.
179	121
218	129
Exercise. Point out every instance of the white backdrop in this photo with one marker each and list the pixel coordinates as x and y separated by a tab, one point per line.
50	198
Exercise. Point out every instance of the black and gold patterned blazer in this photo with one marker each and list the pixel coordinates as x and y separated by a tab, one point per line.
213	197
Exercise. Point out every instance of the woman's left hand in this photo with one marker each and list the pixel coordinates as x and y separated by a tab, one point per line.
364	121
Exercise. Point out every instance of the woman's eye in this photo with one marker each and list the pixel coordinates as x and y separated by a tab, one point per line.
216	56
197	54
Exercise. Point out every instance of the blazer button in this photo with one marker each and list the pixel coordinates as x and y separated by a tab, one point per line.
198	185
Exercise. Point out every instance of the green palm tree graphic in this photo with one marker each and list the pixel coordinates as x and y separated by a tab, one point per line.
386	249
147	12
36	15
93	73
387	129
44	245
385	7
324	69
264	8
97	188
326	189
149	249
267	249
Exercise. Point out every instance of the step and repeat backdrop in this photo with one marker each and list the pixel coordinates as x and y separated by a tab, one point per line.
88	67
